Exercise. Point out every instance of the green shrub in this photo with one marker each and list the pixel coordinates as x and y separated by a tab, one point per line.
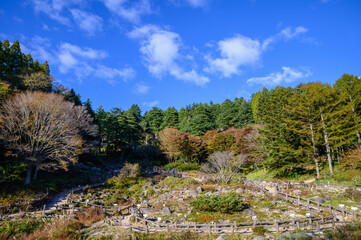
353	194
349	232
225	204
294	236
259	230
348	175
183	166
173	182
15	229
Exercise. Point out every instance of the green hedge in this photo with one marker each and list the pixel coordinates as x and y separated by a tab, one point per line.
225	204
182	166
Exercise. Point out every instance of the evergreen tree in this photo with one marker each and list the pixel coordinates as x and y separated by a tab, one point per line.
170	118
228	115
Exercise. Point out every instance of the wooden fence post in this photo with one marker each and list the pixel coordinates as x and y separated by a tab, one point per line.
330	208
146	227
298	224
167	227
317	226
233	226
210	230
215	227
277	226
308	202
298	200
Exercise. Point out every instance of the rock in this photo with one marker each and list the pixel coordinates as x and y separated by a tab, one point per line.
166	211
221	237
199	189
320	200
260	238
190	210
192	192
328	198
166	195
249	212
239	190
298	192
145	210
157	192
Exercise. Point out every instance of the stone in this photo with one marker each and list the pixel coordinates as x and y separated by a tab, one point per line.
166	211
328	198
190	210
320	200
157	192
239	190
260	238
145	210
192	192
249	212
221	237
297	192
199	189
166	195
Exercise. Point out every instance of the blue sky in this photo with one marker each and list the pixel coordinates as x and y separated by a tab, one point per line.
176	52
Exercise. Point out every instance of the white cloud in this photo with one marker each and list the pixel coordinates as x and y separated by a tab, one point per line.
142	88
54	8
151	104
86	21
192	3
129	9
160	49
235	52
240	51
288	34
287	75
285	34
110	73
70	56
82	61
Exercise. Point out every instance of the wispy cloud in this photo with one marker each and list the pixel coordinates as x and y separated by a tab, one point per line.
161	52
82	61
87	22
142	88
240	51
288	75
151	104
128	9
192	3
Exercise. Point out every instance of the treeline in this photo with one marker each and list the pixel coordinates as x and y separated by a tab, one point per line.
310	125
122	129
43	125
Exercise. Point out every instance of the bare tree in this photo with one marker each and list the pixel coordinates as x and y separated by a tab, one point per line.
223	165
43	129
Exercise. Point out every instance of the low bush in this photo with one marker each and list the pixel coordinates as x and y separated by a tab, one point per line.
225	204
347	175
259	230
349	232
294	236
90	215
182	166
353	194
173	182
16	229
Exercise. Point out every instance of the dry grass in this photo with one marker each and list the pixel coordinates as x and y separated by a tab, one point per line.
90	216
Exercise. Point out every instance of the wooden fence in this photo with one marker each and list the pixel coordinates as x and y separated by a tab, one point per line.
146	226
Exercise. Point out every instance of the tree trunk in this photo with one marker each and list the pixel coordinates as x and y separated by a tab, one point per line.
358	133
28	175
338	156
35	173
314	151
328	149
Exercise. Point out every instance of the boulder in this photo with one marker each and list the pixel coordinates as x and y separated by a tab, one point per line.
239	190
249	211
166	211
199	189
328	198
192	192
320	200
297	192
260	238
